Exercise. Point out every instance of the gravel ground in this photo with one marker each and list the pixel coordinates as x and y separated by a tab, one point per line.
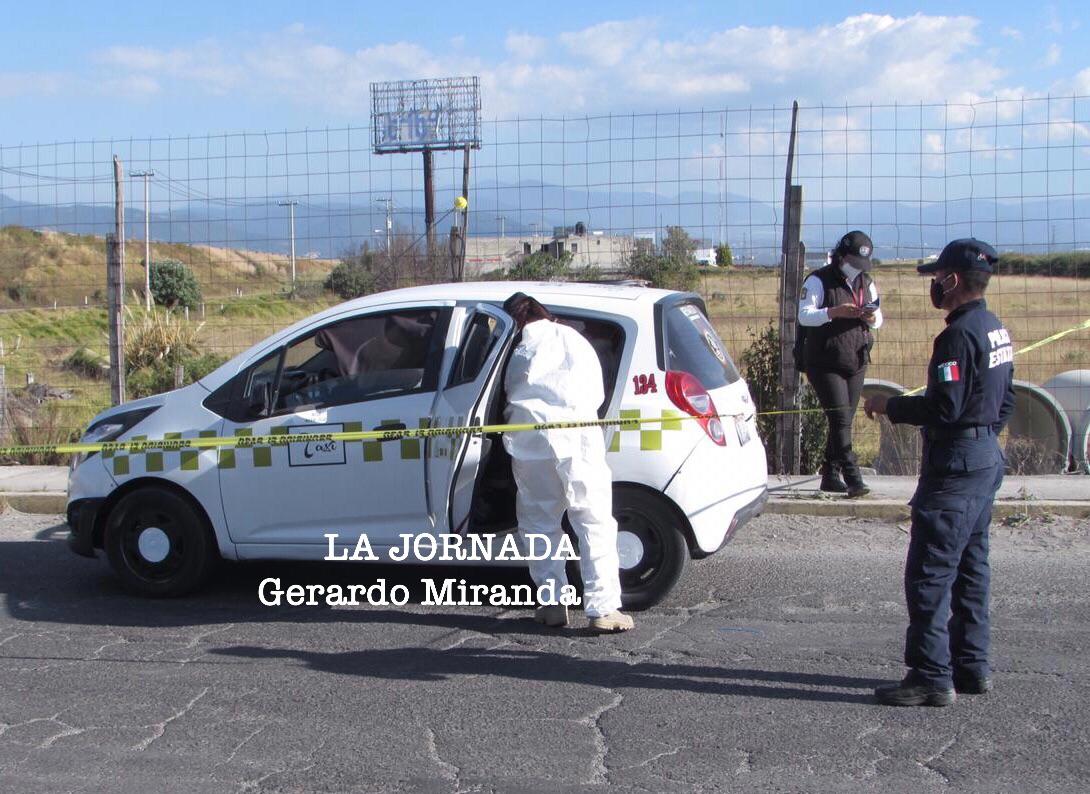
756	675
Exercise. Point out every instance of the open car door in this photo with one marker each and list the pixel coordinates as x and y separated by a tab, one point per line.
453	462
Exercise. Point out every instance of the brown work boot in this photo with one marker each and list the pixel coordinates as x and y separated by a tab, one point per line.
555	616
613	622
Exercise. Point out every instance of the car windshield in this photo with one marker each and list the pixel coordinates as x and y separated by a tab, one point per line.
693	346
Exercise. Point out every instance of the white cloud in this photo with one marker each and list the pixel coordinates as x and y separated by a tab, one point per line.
15	84
1052	55
609	66
1010	33
524	45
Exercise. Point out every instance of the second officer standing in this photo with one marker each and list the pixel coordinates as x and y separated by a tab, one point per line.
837	310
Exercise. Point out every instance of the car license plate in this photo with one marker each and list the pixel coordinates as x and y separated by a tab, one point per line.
742	429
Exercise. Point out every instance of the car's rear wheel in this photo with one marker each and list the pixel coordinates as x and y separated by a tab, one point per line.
158	543
650	546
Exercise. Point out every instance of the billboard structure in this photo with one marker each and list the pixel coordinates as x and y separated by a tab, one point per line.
417	115
424	116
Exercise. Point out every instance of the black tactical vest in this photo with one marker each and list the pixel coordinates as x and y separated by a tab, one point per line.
841	345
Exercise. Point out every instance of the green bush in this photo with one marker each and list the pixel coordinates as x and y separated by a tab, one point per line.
158	376
353	276
674	268
542	266
761	369
664	272
724	257
173	284
87	364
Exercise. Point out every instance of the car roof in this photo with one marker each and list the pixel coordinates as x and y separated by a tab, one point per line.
576	294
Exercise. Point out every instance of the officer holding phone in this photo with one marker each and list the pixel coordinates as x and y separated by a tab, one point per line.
838	308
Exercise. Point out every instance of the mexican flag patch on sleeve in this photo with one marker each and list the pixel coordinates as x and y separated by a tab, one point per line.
949	372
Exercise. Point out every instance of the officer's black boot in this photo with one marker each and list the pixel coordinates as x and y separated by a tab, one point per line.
853	481
831	482
914	691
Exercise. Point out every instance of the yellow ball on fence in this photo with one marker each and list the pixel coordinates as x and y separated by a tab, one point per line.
460	203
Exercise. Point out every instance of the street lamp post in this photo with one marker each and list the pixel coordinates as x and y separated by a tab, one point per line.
291	209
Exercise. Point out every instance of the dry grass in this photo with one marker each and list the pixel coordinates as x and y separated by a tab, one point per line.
1031	307
39	267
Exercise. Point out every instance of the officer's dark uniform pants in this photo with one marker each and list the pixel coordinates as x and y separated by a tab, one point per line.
839	396
946	573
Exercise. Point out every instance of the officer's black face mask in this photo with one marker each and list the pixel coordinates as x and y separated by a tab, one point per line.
937	291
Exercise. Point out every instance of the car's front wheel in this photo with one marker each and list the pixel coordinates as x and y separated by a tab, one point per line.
158	543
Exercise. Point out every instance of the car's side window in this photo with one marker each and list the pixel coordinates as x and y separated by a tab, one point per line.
480	337
362	358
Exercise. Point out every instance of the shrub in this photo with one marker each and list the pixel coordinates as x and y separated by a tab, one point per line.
664	272
674	268
761	369
1073	264
173	284
724	257
87	364
159	376
542	266
159	335
51	422
353	276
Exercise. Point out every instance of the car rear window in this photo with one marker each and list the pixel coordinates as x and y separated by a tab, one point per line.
693	346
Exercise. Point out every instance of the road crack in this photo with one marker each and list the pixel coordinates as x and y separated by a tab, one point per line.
160	728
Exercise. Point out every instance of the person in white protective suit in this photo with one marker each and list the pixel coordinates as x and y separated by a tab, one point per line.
554	375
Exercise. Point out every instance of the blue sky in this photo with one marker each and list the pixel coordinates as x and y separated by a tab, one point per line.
75	70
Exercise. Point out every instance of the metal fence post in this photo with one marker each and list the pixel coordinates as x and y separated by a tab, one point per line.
788	425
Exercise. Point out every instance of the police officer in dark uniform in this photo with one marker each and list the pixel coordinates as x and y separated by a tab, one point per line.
837	310
969	398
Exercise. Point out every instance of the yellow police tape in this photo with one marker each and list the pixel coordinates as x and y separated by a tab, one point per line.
280	439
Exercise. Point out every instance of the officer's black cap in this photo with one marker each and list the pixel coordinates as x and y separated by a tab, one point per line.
967	253
855	248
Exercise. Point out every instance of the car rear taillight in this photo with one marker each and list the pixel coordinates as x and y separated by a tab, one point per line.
689	394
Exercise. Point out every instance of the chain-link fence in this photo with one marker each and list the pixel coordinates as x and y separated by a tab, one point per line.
262	220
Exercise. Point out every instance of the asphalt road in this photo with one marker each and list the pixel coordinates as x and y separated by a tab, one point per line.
756	676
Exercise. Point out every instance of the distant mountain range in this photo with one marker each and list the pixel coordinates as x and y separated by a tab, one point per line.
330	228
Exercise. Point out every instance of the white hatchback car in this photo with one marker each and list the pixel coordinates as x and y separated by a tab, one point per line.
420	357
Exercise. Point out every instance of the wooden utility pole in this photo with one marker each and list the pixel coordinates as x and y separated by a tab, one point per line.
429	212
115	290
465	214
789	425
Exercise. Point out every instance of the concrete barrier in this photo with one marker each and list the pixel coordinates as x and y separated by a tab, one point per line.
1039	433
899	446
1071	390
